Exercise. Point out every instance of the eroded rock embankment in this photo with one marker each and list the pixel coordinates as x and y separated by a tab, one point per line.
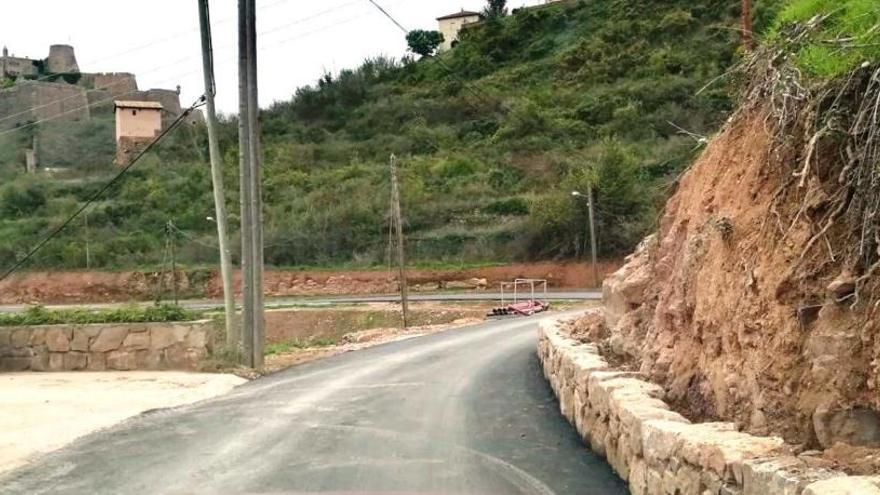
731	311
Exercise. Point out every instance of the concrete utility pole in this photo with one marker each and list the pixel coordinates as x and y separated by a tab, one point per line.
256	151
232	334
253	318
244	159
170	228
397	220
88	244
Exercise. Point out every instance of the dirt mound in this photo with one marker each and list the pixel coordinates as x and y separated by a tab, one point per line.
736	309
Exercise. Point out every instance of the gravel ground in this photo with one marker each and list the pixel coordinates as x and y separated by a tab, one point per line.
42	412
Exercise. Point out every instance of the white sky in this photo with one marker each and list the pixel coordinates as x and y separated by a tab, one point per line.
158	39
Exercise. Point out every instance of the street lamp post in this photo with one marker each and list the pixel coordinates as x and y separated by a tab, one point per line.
593	243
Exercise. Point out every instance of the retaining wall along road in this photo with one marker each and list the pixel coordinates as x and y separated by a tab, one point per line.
120	347
658	451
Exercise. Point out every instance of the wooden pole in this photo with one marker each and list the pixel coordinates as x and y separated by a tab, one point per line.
232	334
748	35
593	243
401	257
259	324
244	159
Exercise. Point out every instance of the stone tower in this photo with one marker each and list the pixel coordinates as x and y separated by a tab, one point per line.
5	52
61	60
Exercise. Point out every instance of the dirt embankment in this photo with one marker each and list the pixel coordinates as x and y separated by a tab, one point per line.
97	287
734	310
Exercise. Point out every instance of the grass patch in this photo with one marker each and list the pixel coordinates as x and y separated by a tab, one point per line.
847	34
290	345
39	315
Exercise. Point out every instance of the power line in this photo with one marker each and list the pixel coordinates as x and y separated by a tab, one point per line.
176	62
476	91
157	41
104	189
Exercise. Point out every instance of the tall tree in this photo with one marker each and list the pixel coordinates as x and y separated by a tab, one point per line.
495	9
424	43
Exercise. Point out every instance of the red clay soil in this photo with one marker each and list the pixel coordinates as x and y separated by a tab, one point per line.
98	287
719	308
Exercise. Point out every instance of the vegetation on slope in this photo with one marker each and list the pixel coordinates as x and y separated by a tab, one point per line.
841	35
491	137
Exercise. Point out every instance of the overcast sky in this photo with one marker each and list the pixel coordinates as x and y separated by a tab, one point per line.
158	39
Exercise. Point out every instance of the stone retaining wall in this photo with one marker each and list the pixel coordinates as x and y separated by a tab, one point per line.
658	451
120	347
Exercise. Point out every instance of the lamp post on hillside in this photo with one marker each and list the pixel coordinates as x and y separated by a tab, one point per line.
593	243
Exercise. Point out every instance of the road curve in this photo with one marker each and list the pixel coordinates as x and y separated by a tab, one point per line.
462	412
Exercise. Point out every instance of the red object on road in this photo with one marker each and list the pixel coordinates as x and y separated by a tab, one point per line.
525	308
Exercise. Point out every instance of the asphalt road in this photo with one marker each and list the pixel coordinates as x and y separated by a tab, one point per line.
462	412
275	302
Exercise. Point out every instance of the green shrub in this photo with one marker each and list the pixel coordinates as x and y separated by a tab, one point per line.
510	206
39	315
17	200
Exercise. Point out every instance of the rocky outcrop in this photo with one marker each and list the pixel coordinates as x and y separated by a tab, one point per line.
118	347
624	418
729	313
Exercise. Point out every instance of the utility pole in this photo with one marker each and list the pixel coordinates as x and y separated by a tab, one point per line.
250	156
244	159
401	258
256	161
593	244
232	334
88	246
748	35
170	229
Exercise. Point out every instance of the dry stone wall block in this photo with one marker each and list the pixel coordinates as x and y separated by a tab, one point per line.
15	363
80	340
40	360
20	338
139	341
121	360
853	485
75	361
36	336
97	361
110	339
56	361
786	475
58	339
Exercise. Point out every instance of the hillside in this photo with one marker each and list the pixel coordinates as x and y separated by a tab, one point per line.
491	137
756	301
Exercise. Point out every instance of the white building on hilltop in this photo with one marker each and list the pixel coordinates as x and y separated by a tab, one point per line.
450	25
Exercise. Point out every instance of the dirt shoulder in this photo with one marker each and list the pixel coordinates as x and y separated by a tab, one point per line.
43	412
359	340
